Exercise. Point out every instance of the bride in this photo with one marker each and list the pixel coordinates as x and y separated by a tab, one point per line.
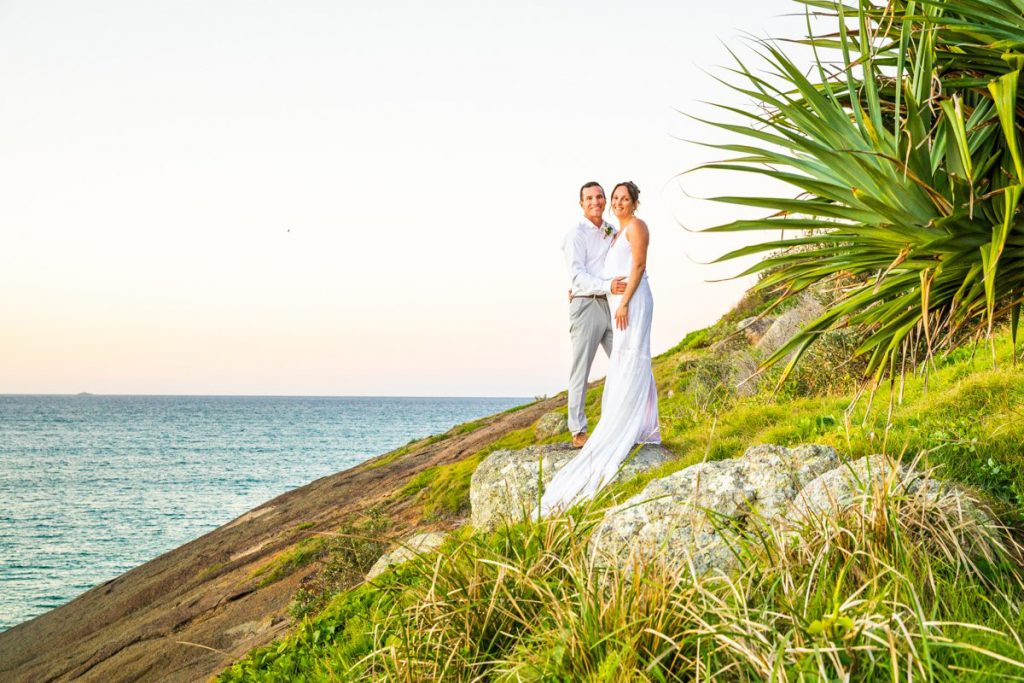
629	405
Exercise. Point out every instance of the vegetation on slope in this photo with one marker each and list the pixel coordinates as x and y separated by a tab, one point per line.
872	595
905	146
869	596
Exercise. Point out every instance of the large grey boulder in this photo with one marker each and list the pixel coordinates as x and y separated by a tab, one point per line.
647	458
406	550
851	483
551	424
504	487
680	517
859	481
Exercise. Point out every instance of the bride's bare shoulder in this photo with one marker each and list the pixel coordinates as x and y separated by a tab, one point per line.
637	225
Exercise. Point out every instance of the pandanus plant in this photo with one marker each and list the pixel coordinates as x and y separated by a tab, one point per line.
905	146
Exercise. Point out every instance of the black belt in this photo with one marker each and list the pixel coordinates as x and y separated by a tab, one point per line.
588	296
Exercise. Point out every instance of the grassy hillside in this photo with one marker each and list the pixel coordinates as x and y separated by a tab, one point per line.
884	593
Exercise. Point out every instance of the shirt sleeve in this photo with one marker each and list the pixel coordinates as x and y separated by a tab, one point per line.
581	281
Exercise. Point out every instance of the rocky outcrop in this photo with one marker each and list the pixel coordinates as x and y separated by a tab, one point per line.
754	328
551	424
856	482
504	487
682	516
781	330
789	323
691	517
407	550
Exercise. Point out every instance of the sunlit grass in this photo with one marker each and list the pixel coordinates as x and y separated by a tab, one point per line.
883	590
878	592
893	587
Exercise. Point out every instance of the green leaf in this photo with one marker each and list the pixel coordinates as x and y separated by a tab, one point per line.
1004	94
960	160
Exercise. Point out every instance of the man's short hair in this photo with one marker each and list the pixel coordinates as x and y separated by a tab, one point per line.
592	183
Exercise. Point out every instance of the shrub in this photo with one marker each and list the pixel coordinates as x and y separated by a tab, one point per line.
907	161
348	554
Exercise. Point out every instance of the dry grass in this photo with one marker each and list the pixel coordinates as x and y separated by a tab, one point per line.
899	585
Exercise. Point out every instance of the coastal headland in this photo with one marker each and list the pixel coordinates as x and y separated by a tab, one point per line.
185	615
280	592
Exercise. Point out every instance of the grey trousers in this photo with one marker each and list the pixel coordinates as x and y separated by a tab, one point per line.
590	326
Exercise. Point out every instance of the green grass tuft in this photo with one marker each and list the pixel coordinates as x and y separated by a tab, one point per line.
283	564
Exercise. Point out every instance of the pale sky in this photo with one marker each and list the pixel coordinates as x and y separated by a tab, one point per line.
344	198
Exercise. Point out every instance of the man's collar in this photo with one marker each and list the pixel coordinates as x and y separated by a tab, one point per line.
606	229
587	223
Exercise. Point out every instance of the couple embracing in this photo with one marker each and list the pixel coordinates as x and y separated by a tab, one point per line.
610	305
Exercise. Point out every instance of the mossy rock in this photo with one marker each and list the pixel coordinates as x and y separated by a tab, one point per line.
682	517
551	424
407	550
505	486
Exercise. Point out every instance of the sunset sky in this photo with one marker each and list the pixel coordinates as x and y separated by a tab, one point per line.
340	198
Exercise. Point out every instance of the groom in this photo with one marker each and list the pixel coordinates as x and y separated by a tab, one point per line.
590	323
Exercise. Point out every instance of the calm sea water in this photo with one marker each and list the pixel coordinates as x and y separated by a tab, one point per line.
91	486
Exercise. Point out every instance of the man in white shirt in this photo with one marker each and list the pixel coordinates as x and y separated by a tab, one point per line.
590	323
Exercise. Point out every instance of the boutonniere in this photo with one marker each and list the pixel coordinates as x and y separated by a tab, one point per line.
607	230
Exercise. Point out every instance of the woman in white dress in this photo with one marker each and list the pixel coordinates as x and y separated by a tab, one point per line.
629	405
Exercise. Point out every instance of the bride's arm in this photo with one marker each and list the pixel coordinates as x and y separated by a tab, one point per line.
639	237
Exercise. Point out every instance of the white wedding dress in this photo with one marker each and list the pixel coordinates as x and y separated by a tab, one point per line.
629	405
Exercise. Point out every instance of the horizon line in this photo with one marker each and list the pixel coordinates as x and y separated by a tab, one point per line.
85	394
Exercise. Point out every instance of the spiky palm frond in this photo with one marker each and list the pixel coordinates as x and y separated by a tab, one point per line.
908	162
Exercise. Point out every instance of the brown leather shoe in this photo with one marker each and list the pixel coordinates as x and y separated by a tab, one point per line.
579	439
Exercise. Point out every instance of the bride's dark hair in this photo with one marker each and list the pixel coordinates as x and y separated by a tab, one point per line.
632	189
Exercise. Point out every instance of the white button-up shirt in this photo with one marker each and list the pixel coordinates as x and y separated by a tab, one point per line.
585	247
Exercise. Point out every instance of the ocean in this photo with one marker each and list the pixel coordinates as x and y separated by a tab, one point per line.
91	486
